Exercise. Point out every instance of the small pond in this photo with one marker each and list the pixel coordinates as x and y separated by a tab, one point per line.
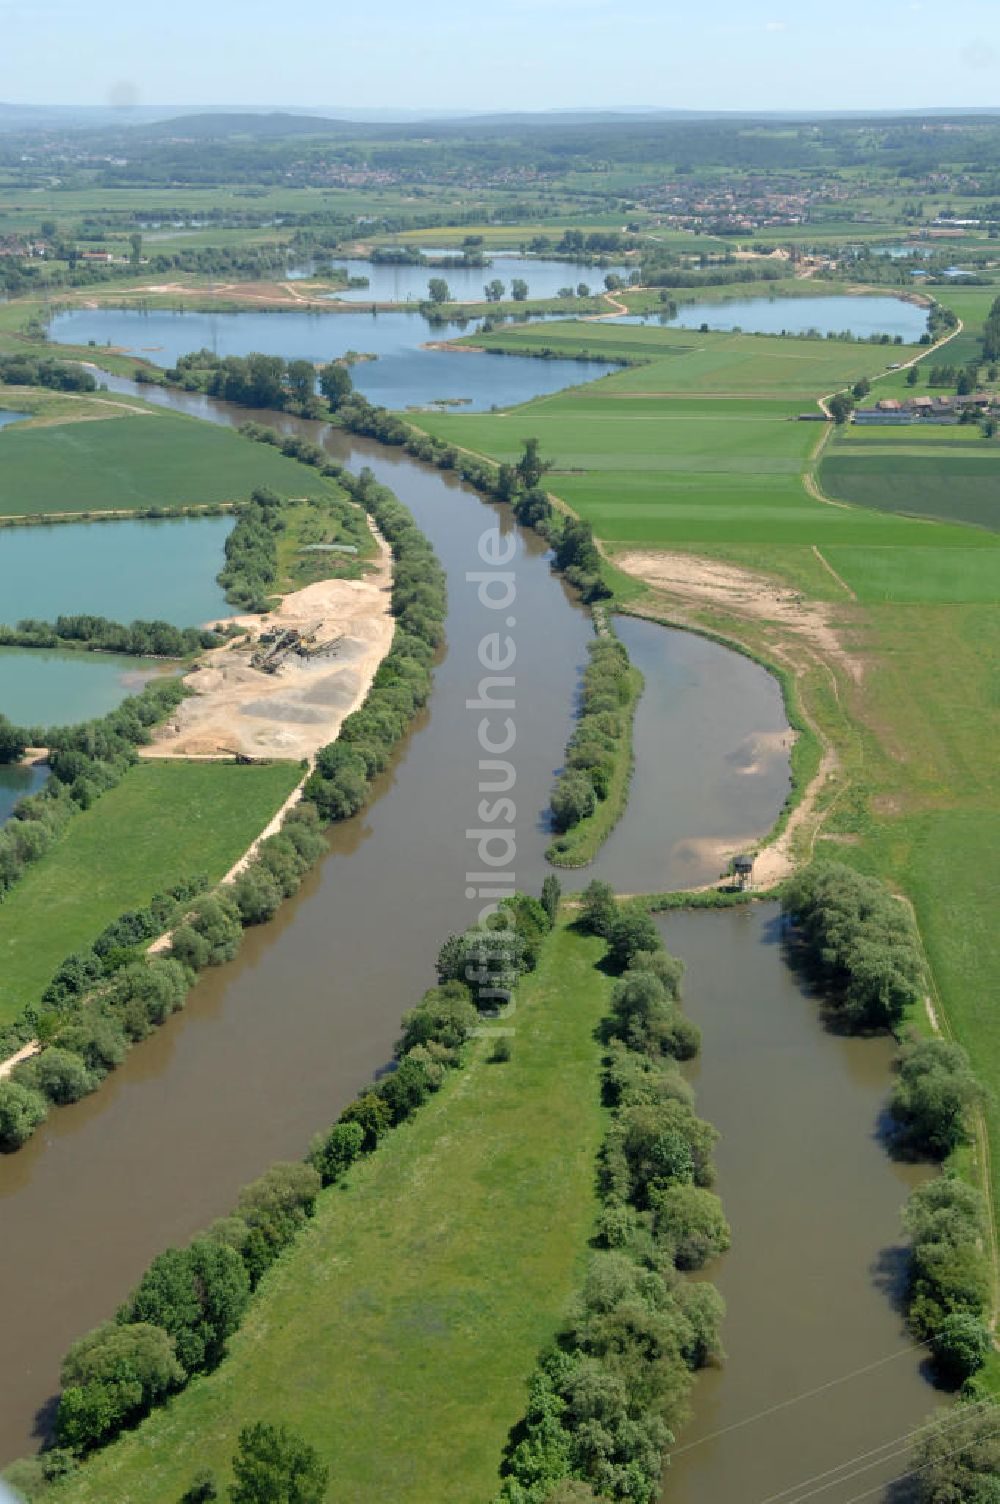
862	316
405	373
6	416
389	283
42	687
15	783
133	569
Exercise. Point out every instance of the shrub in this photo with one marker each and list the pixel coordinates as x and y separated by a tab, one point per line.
933	1096
961	1345
22	1110
272	1465
112	1377
196	1294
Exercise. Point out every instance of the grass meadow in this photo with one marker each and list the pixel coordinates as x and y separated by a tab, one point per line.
164	822
397	1332
131	462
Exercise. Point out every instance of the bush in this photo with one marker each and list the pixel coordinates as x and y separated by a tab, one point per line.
933	1097
958	1458
197	1295
861	942
961	1345
112	1377
949	1270
59	1075
272	1465
22	1110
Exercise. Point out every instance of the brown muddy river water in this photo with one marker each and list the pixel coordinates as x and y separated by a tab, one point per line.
271	1046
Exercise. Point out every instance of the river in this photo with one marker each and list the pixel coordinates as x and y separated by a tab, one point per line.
272	1045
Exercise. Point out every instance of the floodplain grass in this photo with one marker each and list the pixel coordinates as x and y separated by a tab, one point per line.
398	1331
164	822
915	797
131	462
956	484
687	360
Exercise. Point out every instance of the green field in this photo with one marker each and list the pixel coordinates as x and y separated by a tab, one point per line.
925	479
914	715
686	361
697	472
164	822
398	1332
136	461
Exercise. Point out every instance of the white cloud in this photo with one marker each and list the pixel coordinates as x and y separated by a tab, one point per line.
775	25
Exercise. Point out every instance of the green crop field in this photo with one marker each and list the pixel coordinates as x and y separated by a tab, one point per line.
164	822
134	462
431	1279
953	484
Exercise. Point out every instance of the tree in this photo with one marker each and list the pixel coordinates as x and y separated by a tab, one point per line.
613	283
582	290
633	930
438	290
196	1294
272	1465
551	892
12	742
961	1345
964	384
22	1109
494	290
959	1463
519	290
301	379
111	1377
933	1096
600	909
135	244
573	799
531	467
861	388
840	405
913	376
335	383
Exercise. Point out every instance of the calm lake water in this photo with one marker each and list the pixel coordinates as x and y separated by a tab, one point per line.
829	315
408	284
6	416
43	688
404	375
16	782
133	569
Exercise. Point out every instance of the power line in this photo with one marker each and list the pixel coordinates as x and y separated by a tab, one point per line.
796	1399
913	1471
908	1438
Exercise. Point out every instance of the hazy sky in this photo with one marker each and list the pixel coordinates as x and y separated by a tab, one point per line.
515	54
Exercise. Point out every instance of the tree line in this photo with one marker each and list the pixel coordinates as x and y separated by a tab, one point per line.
57	375
863	946
607	1397
600	747
175	1324
265	381
144	639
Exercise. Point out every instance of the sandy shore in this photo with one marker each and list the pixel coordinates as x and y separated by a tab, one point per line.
291	713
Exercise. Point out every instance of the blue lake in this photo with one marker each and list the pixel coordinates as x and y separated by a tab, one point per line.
6	416
388	283
129	570
15	783
828	315
42	688
405	374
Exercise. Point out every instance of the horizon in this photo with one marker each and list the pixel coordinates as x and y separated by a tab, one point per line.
549	56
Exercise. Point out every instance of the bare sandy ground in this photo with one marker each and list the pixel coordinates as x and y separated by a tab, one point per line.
236	708
811	632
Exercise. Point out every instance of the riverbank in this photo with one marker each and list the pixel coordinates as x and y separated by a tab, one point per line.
500	1164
